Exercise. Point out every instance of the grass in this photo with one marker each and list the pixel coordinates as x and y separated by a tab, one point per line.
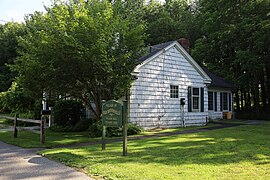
3	121
29	139
241	152
230	121
171	130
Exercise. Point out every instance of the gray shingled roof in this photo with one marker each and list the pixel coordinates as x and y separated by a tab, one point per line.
217	81
154	50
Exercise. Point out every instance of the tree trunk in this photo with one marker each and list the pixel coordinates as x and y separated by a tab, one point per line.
237	100
249	99
242	99
263	94
256	98
245	98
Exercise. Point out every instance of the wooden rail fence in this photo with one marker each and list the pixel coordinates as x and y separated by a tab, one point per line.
40	122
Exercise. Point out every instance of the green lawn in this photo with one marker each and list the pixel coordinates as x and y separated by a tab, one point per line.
241	152
29	139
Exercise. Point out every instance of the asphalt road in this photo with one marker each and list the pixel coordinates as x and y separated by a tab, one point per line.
19	163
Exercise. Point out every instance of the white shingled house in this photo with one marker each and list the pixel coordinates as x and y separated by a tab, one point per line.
172	90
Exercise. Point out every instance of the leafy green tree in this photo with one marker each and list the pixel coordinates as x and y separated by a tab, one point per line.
170	21
81	48
9	33
16	100
235	44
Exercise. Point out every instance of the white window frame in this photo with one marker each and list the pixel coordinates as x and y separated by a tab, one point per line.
192	100
174	91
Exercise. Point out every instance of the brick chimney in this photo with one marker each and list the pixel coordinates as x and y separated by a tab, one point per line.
185	44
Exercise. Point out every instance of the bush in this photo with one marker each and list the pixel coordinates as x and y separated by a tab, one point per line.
17	100
134	129
82	125
59	128
95	130
67	113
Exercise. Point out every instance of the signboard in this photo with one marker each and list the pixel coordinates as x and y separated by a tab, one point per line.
115	115
112	114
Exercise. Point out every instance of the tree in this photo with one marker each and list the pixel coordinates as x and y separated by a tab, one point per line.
83	48
235	44
170	21
9	33
16	100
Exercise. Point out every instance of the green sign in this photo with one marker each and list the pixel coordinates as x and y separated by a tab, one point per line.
112	114
115	115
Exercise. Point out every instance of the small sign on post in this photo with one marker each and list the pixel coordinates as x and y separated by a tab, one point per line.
114	115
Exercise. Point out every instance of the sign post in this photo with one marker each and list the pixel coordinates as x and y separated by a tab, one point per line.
125	128
114	115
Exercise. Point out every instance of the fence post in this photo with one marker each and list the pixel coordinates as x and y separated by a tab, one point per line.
42	130
15	133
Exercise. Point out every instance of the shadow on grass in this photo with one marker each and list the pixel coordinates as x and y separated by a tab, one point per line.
225	146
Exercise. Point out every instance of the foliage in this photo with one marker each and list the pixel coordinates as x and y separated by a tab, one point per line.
240	152
170	21
95	130
9	34
235	45
134	129
81	126
82	48
59	128
67	113
15	99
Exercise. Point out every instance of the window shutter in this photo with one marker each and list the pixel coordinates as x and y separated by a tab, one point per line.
202	99
215	100
189	100
221	102
230	102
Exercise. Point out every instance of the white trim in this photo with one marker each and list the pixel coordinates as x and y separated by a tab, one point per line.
199	100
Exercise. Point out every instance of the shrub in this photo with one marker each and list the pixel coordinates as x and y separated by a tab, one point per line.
67	112
16	99
95	130
59	128
82	125
134	129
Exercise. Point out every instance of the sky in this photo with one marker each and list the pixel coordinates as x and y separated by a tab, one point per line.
15	10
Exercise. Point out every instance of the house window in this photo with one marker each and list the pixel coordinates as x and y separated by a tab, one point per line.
225	101
174	91
210	101
195	98
215	96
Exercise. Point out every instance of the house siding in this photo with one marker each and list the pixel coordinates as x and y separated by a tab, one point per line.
150	102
